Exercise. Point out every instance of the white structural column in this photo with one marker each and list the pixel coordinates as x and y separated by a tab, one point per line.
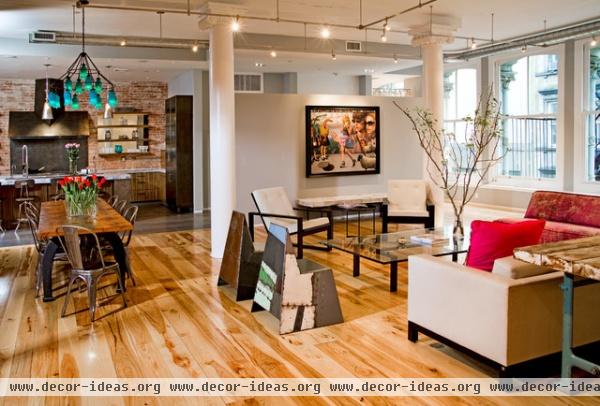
430	38
222	134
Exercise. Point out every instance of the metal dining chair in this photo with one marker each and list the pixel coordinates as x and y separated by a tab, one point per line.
113	200
40	245
130	215
120	207
87	263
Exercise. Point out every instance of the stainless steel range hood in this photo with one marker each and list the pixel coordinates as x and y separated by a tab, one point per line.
29	124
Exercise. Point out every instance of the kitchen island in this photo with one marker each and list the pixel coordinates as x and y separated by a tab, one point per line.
133	185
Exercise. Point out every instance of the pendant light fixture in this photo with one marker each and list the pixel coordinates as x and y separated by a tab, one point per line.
47	111
84	76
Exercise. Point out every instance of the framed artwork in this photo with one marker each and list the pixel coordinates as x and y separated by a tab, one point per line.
342	140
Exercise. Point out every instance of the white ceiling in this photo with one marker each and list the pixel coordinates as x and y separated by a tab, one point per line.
512	17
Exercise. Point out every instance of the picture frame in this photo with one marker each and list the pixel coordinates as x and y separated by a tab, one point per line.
342	140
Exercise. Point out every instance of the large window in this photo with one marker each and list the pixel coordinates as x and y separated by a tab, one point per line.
528	97
592	116
460	101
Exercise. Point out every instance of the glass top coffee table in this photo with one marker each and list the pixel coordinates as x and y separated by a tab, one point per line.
392	248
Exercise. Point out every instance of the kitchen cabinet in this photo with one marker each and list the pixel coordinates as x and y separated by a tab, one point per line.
147	186
179	148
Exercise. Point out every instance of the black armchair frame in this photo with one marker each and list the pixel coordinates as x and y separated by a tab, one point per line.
301	231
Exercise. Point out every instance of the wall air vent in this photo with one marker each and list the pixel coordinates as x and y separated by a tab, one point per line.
353	46
248	82
42	36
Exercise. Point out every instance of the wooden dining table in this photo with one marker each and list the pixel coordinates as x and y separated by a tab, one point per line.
107	225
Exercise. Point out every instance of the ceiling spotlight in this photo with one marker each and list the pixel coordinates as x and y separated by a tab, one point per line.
123	43
395	59
259	64
273	54
333	55
473	43
386	26
383	37
594	41
325	33
235	24
195	48
524	48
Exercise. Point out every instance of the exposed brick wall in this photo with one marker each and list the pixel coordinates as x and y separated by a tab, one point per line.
17	95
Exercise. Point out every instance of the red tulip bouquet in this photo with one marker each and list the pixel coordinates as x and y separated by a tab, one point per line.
81	193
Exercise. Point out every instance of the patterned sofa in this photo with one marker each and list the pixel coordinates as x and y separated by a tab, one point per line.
567	215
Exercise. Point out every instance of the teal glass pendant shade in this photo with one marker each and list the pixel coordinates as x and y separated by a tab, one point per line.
53	100
83	71
98	85
99	104
88	83
75	102
68	84
67	97
78	86
112	98
93	97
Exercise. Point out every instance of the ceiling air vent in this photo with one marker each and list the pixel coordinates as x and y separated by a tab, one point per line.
42	36
248	82
353	46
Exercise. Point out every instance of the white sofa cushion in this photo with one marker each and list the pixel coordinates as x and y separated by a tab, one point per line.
513	268
407	195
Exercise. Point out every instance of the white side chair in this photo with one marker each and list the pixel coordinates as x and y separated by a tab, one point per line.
408	202
274	206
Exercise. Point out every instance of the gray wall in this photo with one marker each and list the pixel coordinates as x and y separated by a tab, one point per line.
320	83
270	146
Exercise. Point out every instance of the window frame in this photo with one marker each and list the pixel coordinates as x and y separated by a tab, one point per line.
581	82
495	178
452	67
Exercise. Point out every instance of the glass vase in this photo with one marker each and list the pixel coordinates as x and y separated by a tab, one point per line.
73	166
77	209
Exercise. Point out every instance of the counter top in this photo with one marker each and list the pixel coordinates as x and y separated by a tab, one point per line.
46	179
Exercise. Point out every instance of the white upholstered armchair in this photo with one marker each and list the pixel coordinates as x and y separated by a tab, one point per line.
409	202
274	206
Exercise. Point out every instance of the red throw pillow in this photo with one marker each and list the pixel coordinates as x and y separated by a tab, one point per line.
493	240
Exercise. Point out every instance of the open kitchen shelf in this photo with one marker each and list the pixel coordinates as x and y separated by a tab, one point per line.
123	126
129	128
114	154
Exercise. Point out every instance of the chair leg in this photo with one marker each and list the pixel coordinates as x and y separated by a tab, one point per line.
19	218
300	247
38	276
71	280
121	287
91	285
130	273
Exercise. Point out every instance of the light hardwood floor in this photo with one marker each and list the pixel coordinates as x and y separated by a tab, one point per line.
179	324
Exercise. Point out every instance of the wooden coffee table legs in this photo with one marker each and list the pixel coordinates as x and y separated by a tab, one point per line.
393	271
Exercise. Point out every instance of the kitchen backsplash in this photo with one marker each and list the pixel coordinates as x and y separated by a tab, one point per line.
18	95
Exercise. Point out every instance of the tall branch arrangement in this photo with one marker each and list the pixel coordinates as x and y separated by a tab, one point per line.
459	165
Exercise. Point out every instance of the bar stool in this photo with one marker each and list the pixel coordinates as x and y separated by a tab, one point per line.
23	187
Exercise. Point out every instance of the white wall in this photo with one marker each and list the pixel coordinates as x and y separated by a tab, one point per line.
181	85
321	83
270	146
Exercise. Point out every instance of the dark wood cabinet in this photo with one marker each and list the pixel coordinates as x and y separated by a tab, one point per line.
178	151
